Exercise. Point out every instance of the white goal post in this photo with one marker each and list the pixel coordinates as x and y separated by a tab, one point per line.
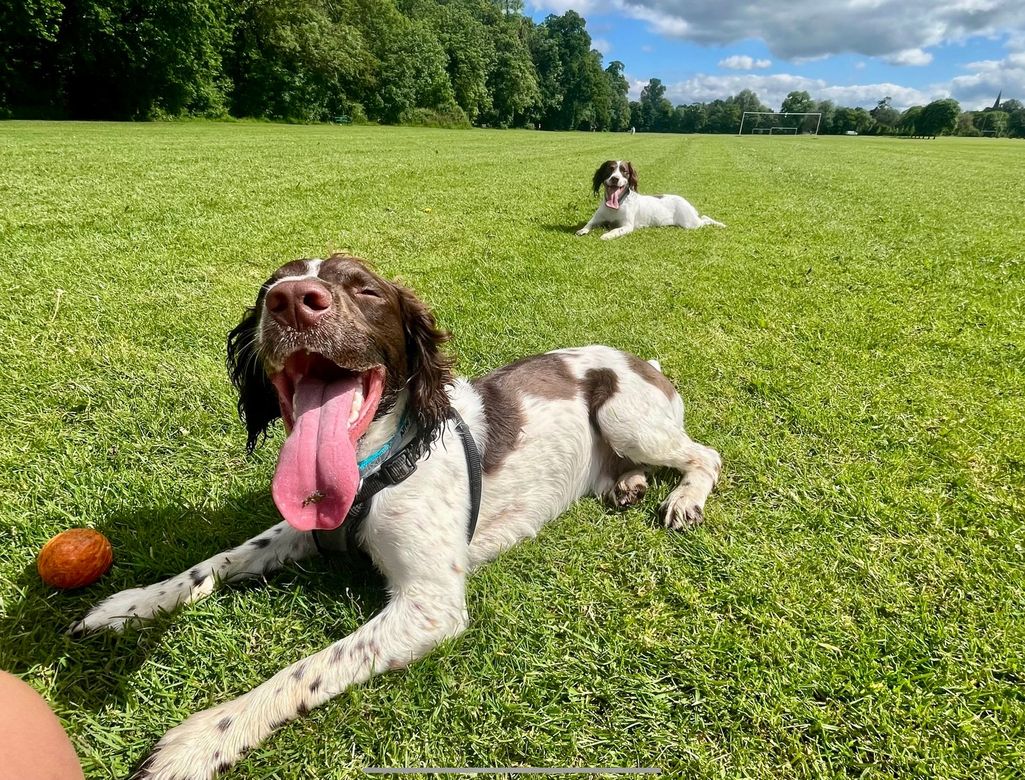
784	115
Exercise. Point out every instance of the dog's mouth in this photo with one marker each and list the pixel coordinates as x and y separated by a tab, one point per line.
613	194
327	409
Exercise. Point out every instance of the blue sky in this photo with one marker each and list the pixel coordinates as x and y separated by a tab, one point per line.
853	52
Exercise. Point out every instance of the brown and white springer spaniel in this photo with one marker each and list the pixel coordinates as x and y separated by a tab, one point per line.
624	209
343	356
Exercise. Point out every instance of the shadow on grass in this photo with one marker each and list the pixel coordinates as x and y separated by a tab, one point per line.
563	227
149	546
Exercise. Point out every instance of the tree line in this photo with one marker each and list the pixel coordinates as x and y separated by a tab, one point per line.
441	62
452	62
653	112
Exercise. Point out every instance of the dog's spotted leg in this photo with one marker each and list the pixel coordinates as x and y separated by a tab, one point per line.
209	742
258	556
619	231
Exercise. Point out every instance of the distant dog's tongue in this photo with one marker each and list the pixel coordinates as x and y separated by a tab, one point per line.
317	476
613	201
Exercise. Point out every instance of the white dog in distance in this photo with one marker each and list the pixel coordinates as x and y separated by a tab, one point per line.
625	209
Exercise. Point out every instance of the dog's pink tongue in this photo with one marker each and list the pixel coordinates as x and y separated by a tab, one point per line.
317	476
613	201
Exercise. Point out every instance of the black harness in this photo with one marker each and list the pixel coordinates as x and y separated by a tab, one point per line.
398	468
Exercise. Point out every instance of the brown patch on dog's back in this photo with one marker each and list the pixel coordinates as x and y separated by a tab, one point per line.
504	417
651	374
600	384
546	376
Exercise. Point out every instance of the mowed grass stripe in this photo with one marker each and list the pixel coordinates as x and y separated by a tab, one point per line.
850	343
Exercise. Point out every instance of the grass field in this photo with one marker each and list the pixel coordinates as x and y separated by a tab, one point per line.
852	343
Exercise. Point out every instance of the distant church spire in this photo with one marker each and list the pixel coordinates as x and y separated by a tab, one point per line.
996	106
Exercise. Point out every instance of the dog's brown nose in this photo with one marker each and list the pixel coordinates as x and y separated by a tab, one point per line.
298	303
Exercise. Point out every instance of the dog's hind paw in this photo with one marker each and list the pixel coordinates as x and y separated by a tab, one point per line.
628	490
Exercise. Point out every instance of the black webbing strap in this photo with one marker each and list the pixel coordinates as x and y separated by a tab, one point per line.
394	470
472	469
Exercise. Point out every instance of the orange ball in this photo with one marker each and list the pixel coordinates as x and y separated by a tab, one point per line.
75	558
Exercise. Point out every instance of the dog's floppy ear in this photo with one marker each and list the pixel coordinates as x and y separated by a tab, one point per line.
600	175
429	368
631	176
257	401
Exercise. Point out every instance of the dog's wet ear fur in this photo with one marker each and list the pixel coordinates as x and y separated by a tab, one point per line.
600	175
257	401
631	176
429	368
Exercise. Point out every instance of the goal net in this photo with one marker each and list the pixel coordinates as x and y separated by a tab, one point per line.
780	123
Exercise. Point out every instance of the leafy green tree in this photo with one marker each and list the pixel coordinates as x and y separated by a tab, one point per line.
619	87
413	74
1016	123
885	115
544	51
579	84
300	60
636	118
966	125
797	102
132	59
939	117
29	77
852	119
512	80
656	110
722	116
690	118
828	110
992	122
468	45
909	119
747	100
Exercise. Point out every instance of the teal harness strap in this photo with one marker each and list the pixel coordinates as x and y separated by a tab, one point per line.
365	465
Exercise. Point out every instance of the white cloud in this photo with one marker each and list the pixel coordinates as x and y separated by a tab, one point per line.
814	28
980	86
601	45
647	49
743	62
909	57
771	89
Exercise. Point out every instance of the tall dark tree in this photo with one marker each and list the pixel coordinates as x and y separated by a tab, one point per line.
619	88
656	110
797	102
939	117
512	81
29	76
576	73
884	114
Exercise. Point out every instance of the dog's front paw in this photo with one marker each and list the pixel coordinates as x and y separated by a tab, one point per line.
201	748
583	231
131	607
113	613
679	513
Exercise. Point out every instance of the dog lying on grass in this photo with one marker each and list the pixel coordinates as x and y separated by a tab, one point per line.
625	209
353	365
